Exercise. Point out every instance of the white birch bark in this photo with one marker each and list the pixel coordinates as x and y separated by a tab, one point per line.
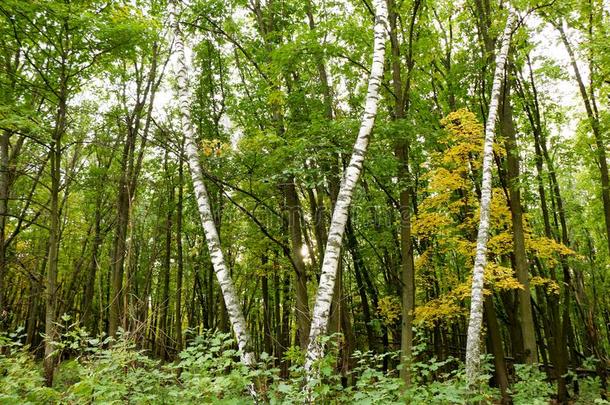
332	253
473	342
232	303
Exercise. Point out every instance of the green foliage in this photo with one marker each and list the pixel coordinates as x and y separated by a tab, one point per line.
120	374
261	110
209	371
21	379
589	387
531	386
443	382
589	393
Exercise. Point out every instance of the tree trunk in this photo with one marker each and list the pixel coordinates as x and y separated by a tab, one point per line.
118	257
337	227
87	303
495	339
284	330
293	209
600	148
179	253
229	294
359	265
54	236
4	187
401	151
162	332
267	343
473	343
520	257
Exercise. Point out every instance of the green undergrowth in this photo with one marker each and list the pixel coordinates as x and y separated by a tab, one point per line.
105	371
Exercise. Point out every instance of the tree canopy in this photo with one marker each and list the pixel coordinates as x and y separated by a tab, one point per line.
283	201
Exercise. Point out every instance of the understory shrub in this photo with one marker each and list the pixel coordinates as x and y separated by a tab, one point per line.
209	371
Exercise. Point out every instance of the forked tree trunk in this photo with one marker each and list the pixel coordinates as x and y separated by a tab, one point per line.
326	287
231	300
473	342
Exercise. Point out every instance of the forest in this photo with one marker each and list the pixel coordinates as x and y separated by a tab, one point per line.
304	201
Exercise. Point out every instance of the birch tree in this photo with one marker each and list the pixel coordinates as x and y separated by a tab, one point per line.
332	253
229	294
473	342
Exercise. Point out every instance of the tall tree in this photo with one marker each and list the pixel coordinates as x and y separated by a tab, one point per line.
402	98
473	343
589	100
229	293
338	222
138	115
61	53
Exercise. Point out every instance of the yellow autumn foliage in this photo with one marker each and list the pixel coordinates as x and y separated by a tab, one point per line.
389	309
547	249
551	286
500	211
444	180
465	247
214	147
500	244
448	307
449	215
423	259
462	153
501	277
435	200
462	290
445	309
428	223
463	126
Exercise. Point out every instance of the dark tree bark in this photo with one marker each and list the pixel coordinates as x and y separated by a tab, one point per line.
520	257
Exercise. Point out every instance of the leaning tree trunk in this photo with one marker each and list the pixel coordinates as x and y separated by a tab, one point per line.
231	300
473	342
326	287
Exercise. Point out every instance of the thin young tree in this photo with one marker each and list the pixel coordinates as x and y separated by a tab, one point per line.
473	341
332	252
229	294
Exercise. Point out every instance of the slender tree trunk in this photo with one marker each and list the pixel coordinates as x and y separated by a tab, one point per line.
179	254
266	310
229	294
4	187
401	151
162	333
118	257
497	349
87	305
359	265
600	148
337	227
284	335
520	256
54	235
293	209
473	343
